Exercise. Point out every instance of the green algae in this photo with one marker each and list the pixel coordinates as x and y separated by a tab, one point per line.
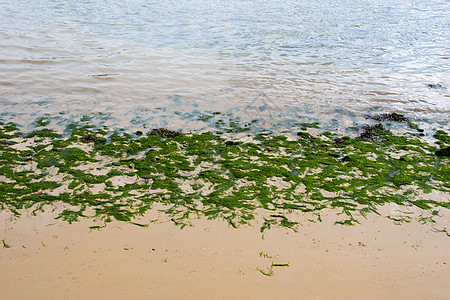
9	131
305	126
40	122
443	139
49	133
270	272
5	245
204	174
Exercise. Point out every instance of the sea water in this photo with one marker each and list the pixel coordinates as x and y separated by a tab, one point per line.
153	63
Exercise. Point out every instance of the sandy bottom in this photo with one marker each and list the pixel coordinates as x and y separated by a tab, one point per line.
49	259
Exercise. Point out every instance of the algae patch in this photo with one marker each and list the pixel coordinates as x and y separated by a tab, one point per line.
120	176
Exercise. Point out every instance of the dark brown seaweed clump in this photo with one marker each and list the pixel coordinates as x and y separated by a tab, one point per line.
162	132
338	141
371	133
392	117
89	138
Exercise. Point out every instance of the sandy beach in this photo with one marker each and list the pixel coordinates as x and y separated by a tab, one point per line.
50	259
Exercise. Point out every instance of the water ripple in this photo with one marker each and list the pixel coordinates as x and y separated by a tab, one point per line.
225	54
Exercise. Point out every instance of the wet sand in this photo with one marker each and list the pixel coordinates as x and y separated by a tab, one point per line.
50	259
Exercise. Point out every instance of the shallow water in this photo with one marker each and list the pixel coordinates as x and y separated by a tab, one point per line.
138	62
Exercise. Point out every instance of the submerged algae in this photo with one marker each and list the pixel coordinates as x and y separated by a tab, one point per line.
206	174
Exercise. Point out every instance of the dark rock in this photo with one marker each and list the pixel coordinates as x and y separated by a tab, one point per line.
162	132
443	152
392	117
436	86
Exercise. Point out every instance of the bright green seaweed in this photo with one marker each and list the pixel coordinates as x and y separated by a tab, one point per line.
122	176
